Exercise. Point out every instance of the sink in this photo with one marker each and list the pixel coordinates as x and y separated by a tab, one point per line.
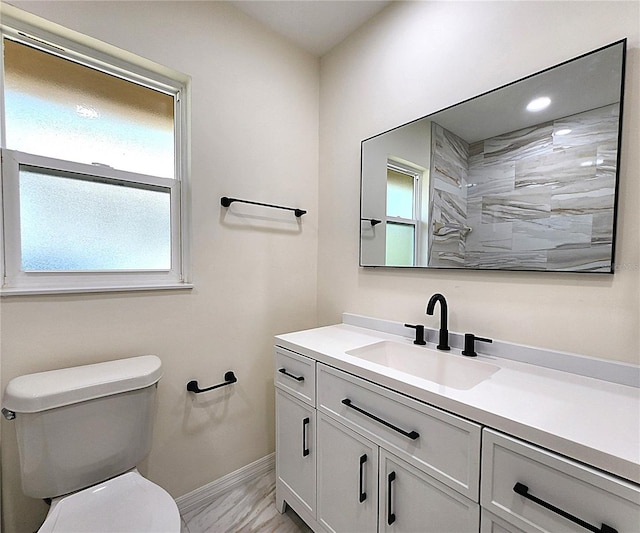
444	368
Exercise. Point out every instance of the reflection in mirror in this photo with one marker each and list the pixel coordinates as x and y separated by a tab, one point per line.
403	214
521	178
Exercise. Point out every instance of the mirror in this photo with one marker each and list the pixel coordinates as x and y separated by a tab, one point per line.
520	178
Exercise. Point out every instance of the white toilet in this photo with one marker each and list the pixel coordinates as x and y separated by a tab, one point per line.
81	432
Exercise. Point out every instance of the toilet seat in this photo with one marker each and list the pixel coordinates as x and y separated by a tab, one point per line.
124	504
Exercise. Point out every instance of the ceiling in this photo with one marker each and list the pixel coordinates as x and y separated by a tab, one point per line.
315	25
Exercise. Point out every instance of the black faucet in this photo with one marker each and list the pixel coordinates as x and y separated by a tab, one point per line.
443	339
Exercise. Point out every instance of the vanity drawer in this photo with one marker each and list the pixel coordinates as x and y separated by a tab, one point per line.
295	374
442	445
581	492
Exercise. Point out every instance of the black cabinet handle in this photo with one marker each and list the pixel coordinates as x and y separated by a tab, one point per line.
413	435
391	517
362	495
523	490
305	424
284	371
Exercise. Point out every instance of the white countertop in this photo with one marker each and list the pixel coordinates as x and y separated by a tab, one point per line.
593	421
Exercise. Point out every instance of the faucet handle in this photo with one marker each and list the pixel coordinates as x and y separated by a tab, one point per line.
419	333
470	344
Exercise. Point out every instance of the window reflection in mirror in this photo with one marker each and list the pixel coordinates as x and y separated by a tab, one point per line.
403	214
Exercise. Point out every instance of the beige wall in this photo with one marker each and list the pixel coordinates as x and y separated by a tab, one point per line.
475	46
254	136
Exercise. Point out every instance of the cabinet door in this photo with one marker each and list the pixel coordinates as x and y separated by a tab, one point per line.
347	479
412	501
296	451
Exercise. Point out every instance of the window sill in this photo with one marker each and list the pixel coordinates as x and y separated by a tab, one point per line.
37	291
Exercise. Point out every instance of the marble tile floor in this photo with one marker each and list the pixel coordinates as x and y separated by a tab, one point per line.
248	508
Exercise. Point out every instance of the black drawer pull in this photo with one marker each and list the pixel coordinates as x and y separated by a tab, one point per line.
305	424
523	490
391	517
284	371
362	495
413	435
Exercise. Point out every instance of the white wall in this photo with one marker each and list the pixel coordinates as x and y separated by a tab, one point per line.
254	136
391	72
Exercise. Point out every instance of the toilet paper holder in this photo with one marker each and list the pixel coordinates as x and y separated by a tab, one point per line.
229	378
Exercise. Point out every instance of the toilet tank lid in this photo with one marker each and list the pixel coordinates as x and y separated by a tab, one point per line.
33	393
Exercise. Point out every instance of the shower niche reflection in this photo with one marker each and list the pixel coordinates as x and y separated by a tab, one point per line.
488	184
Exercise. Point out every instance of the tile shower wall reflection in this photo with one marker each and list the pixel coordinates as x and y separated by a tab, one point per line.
449	173
536	199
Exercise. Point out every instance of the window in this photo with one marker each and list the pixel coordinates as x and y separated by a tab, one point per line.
93	169
403	215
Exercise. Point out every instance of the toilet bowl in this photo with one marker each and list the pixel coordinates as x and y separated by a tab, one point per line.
125	504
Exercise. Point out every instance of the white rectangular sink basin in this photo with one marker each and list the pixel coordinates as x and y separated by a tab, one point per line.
444	368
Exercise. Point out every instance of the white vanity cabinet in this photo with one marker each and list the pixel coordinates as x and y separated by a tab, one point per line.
295	433
354	456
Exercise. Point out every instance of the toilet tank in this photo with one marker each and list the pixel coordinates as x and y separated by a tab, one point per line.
79	426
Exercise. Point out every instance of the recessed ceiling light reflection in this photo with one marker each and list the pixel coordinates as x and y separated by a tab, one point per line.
538	104
564	131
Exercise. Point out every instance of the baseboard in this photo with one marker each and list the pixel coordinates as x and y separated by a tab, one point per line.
207	493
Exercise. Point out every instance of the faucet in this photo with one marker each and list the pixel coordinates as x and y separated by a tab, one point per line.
443	339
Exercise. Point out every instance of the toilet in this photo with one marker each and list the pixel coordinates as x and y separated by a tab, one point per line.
81	433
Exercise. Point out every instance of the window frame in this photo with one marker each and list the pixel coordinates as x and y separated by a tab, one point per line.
84	279
36	32
414	222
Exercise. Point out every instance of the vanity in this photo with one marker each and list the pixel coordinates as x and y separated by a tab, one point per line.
375	434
